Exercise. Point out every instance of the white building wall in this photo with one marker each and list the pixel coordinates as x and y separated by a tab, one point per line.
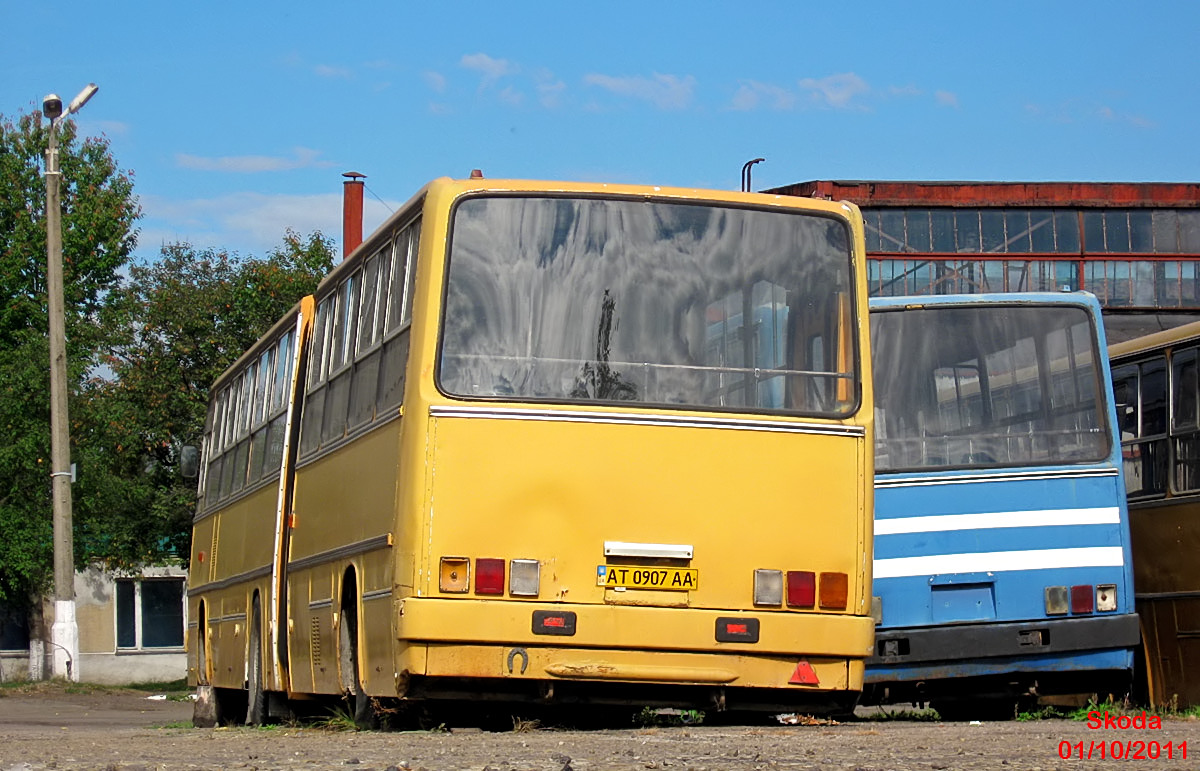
101	659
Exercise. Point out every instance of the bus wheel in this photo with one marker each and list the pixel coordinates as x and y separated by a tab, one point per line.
256	697
356	696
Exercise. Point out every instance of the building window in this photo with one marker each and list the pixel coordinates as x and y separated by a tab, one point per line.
14	629
149	613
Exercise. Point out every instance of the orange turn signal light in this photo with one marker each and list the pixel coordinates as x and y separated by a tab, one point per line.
454	574
835	590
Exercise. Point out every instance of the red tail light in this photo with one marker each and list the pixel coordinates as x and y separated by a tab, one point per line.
1082	598
801	588
489	576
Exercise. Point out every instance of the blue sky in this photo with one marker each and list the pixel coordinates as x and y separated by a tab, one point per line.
238	118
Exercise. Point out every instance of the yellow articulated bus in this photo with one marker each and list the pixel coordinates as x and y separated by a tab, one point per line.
1156	380
553	443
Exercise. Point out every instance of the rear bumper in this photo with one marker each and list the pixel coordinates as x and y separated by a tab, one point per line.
970	645
629	644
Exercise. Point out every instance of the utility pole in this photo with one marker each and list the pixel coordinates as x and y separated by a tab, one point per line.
64	634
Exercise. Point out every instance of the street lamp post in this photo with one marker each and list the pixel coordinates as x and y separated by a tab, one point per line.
64	634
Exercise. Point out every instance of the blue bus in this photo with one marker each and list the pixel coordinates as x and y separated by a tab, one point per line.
1002	567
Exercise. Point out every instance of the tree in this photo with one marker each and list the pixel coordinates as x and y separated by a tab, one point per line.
177	323
99	210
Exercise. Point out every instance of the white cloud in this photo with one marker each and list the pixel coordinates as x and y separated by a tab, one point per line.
511	96
549	89
550	94
1079	110
112	128
247	223
436	81
1109	114
666	92
837	91
491	69
752	94
330	71
249	164
902	91
946	98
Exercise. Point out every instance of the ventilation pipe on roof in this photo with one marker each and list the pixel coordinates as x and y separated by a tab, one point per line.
352	211
746	174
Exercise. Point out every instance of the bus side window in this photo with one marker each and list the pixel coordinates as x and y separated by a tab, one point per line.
314	404
1184	415
1184	391
1125	398
390	392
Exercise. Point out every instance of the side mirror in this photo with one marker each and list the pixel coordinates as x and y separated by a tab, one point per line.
189	461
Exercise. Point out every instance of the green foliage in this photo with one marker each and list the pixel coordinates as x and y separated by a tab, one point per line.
163	686
649	717
340	718
176	325
99	210
141	354
882	715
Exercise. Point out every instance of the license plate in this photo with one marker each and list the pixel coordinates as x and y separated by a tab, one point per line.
633	577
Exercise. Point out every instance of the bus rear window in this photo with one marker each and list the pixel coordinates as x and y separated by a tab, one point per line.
671	304
1009	385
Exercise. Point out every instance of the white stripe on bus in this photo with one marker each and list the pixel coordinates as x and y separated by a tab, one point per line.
1000	561
1110	515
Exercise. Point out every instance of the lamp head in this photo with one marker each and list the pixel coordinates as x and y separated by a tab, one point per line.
79	101
52	107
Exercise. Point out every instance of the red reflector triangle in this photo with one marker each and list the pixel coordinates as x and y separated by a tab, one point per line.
804	675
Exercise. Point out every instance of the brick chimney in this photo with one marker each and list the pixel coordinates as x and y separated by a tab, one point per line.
352	211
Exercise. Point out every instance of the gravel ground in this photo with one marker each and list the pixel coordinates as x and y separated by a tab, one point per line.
124	730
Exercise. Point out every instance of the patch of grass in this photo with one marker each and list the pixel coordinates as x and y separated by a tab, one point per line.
13	685
651	717
339	719
523	726
1122	707
178	724
1044	713
910	715
162	686
88	688
174	690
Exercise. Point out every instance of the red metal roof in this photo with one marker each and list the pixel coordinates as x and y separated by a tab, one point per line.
1017	194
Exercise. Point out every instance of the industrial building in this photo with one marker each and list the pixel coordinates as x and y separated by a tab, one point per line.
1136	246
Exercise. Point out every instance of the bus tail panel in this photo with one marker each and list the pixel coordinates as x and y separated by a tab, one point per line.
647	513
719	680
